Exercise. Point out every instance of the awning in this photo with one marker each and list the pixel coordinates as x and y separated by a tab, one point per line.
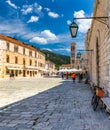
13	68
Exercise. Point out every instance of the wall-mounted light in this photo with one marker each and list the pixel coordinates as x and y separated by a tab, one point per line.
74	27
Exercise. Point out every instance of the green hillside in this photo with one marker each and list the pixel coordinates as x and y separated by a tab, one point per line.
57	59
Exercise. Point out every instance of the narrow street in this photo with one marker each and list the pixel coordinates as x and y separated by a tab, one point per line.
63	106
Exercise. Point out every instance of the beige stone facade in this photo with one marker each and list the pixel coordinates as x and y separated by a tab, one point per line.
98	40
50	68
21	59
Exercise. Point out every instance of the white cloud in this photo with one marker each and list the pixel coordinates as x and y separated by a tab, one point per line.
39	40
69	22
34	8
47	9
45	37
48	35
11	4
39	8
9	29
27	11
84	24
63	49
33	19
47	49
53	14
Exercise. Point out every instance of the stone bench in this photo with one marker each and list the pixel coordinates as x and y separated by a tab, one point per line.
106	103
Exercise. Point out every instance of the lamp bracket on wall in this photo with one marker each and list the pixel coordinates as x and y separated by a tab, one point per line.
100	19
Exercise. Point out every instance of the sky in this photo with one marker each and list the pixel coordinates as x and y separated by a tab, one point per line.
45	23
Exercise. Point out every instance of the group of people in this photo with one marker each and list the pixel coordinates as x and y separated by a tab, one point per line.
73	76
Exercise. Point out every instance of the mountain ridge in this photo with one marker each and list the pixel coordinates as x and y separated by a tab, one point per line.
57	59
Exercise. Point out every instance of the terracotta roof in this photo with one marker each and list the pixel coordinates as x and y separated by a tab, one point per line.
12	40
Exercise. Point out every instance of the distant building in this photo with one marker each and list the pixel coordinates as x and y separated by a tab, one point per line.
21	59
50	68
65	66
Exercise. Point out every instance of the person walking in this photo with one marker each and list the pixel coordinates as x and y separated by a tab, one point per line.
80	76
62	75
67	75
73	76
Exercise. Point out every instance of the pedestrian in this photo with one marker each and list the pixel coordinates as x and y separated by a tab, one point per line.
73	76
62	75
87	78
12	76
67	75
80	76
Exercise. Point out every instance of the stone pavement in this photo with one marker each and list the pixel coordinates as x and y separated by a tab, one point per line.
64	107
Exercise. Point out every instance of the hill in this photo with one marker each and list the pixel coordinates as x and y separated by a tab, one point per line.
57	59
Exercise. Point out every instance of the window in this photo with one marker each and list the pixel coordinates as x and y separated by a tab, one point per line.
15	48
30	53
23	51
16	59
30	62
35	63
7	46
7	71
72	48
72	61
24	61
35	54
7	59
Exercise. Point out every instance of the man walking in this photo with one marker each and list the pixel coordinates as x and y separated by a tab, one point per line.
73	77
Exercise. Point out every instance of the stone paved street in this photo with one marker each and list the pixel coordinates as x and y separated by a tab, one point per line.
63	106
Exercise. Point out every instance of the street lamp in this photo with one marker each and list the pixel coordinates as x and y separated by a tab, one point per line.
78	55
74	27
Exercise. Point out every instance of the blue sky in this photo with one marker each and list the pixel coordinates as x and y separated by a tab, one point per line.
45	23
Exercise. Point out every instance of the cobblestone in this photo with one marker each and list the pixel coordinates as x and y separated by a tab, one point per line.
62	105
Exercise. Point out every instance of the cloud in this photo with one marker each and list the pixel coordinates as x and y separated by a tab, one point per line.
39	40
69	22
26	11
33	19
47	49
48	35
53	14
9	29
34	8
45	37
11	4
63	49
39	8
47	9
84	24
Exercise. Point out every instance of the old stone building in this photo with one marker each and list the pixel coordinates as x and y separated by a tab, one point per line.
50	68
21	59
98	40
